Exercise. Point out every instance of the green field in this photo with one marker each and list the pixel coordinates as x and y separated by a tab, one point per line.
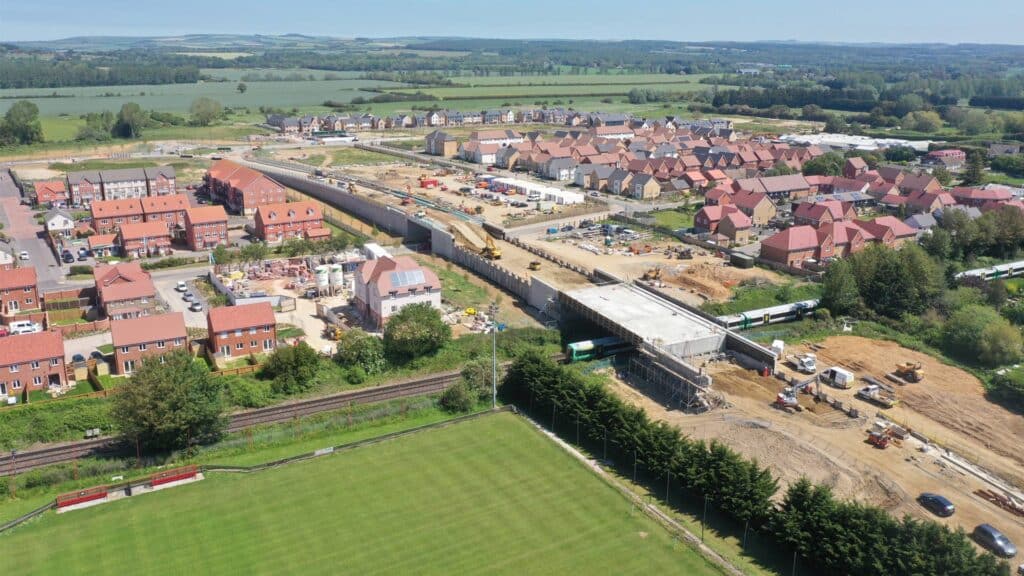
569	79
566	90
751	297
490	495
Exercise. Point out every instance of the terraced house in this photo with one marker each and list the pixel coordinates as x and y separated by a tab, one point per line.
279	222
242	330
242	189
136	339
109	215
124	183
206	227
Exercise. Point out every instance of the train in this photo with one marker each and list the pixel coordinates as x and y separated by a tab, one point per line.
771	315
1008	270
596	348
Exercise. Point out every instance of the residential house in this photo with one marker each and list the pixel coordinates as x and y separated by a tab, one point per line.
794	246
995	150
384	286
32	362
618	132
928	202
241	330
18	292
51	193
160	181
102	245
124	183
471	118
977	197
479	152
144	239
598	179
136	339
717	196
854	166
507	157
790	187
278	222
755	205
59	222
644	187
206	227
442	144
85	187
6	258
109	215
560	169
124	290
951	159
499	137
242	189
735	226
921	222
619	181
708	217
825	212
887	230
847	237
167	209
919	182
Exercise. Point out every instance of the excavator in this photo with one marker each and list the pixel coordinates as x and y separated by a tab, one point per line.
491	251
652	274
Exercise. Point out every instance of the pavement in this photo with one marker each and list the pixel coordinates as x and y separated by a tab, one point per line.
20	225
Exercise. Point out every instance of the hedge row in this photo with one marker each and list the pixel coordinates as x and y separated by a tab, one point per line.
832	536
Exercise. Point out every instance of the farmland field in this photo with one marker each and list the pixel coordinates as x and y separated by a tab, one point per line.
568	79
588	89
490	495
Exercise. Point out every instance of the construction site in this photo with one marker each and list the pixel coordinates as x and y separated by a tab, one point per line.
921	426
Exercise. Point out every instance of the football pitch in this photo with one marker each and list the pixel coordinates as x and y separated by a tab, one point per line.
489	495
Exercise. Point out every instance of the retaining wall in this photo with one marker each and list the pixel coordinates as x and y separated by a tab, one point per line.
509	281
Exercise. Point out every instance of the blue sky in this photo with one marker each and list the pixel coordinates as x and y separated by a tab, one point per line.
978	21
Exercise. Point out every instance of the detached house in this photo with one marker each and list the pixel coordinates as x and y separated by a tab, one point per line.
242	330
385	285
32	362
51	192
124	290
644	187
137	339
442	144
59	222
278	222
826	212
794	246
756	206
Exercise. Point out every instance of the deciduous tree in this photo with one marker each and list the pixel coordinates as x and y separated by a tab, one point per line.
417	330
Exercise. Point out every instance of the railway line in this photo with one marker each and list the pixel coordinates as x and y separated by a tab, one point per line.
12	463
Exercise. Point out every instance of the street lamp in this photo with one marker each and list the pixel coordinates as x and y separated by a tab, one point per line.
493	311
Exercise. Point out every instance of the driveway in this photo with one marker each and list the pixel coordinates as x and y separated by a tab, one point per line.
19	223
165	283
85	345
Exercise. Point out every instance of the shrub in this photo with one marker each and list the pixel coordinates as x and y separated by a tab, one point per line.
248	392
355	375
457	398
79	269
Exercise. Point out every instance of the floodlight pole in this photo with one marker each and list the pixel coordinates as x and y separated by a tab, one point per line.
494	355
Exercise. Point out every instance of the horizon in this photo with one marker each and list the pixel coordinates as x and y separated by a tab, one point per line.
908	22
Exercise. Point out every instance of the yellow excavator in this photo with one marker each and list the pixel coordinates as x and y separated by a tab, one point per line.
652	274
534	265
910	371
490	251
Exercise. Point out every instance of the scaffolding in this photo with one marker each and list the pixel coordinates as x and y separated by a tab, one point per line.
676	390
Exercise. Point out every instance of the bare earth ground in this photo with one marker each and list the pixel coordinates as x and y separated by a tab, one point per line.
828	447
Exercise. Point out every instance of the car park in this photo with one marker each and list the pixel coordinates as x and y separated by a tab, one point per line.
992	539
937	504
187	297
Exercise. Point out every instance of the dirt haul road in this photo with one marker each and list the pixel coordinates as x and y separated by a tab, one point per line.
829	448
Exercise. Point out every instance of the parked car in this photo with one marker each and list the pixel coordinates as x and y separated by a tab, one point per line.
25	327
83	256
77	358
937	504
83	251
23	255
988	537
181	286
68	258
4	331
196	307
188	297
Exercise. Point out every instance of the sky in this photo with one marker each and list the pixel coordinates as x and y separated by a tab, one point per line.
891	21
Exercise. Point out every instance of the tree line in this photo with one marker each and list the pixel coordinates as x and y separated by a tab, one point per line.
26	72
832	536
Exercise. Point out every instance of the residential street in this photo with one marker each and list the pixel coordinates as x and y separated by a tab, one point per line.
20	225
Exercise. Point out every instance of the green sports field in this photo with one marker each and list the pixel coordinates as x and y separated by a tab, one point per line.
491	495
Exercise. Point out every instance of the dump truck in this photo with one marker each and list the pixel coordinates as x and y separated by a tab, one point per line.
806	363
878	395
909	371
535	265
490	251
837	377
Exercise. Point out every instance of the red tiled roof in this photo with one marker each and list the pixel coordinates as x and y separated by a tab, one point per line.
288	212
206	214
898	227
793	239
996	194
748	201
97	240
31	347
228	318
124	281
142	230
145	329
50	190
739	219
375	272
17	278
116	208
169	203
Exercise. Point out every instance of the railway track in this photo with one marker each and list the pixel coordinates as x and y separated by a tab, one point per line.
435	383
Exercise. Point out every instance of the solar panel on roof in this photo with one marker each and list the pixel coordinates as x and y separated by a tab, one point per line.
407	278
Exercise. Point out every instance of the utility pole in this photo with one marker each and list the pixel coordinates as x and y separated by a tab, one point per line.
493	311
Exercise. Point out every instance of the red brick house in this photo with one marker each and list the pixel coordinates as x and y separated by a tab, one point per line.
51	192
135	339
855	166
718	196
278	222
242	189
167	209
919	182
242	330
143	239
32	362
206	227
928	202
18	290
709	217
160	180
793	246
825	212
109	215
124	290
887	230
735	226
85	187
847	238
977	197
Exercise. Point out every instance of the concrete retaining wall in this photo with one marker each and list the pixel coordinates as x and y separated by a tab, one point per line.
509	281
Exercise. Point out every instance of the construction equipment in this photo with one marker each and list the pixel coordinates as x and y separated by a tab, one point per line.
838	377
490	251
333	333
878	439
878	394
470	311
534	265
787	398
909	372
652	274
805	363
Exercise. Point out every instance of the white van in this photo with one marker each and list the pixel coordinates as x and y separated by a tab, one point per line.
25	327
838	377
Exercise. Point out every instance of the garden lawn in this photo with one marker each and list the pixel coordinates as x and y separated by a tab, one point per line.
491	495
